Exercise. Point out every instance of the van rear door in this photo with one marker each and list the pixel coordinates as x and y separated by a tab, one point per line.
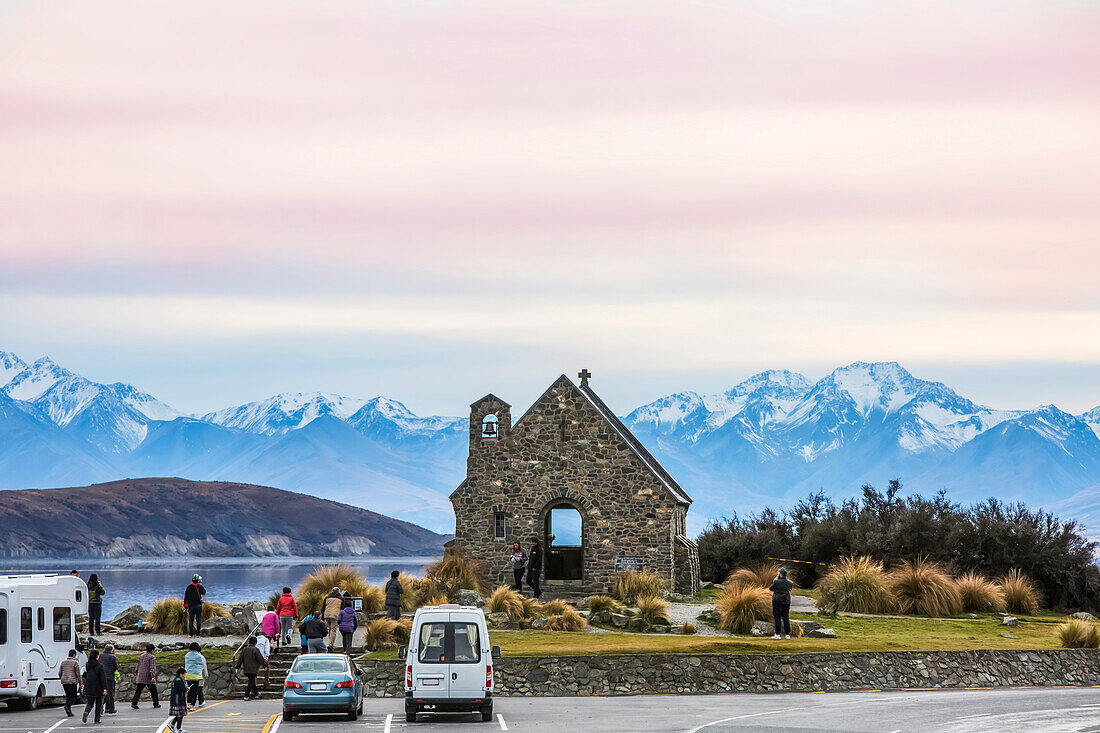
467	670
431	677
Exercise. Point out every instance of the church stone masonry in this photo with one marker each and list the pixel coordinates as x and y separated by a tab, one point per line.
570	461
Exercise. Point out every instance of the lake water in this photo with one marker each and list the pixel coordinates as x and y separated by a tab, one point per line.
226	580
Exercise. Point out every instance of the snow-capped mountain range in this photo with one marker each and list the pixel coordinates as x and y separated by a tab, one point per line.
768	440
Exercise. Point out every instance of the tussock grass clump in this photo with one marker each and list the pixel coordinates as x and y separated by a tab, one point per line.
653	610
506	599
922	587
554	608
979	594
687	628
315	586
168	616
596	604
456	571
379	633
857	585
1021	595
740	605
629	587
567	620
403	631
412	591
760	575
531	607
374	599
1077	634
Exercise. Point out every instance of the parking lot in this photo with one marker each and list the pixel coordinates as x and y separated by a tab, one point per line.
1050	710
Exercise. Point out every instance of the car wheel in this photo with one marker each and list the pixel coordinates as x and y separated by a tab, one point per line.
288	717
360	710
353	714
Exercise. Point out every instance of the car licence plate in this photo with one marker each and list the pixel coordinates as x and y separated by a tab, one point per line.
429	682
318	686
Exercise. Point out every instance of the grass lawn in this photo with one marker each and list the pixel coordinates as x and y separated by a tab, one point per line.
214	654
853	634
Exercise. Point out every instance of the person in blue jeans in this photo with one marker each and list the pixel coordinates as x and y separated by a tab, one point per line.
192	601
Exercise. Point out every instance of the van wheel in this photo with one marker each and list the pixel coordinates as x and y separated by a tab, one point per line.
30	703
487	714
410	716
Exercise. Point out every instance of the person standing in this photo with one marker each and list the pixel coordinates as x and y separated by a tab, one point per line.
95	605
330	612
269	624
95	684
348	623
264	645
393	596
177	701
195	673
146	677
519	565
781	603
249	663
288	614
192	601
110	666
69	672
534	566
313	631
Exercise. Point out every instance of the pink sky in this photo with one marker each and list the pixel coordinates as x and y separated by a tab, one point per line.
217	201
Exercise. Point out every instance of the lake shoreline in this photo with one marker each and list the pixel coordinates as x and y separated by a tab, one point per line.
124	562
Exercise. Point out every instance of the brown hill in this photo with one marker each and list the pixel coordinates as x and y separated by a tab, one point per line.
167	517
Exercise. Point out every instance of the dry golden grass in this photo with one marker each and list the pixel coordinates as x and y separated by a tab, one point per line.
604	603
531	607
403	631
688	628
554	608
922	587
567	620
629	587
740	605
1077	634
1020	594
412	590
315	586
168	616
979	594
857	585
653	609
455	571
505	599
379	633
760	575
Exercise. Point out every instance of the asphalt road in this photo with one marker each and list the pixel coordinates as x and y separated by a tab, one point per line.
1049	710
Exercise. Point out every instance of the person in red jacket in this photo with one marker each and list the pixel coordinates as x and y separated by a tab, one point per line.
288	614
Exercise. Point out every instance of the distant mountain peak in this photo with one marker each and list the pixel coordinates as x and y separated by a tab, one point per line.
284	412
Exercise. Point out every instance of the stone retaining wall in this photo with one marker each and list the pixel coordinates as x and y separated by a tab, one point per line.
217	684
635	674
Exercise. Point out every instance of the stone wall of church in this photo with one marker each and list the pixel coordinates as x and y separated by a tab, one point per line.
563	451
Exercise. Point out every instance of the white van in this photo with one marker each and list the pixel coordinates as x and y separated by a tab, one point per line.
37	630
449	663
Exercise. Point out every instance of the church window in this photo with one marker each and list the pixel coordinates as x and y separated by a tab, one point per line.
489	427
500	526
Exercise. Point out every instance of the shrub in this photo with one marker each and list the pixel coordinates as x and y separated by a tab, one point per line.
374	599
922	587
456	571
412	590
1076	634
978	593
1020	593
567	620
531	607
554	608
687	627
760	575
403	631
604	603
855	584
379	633
629	587
315	586
167	616
506	599
653	609
740	605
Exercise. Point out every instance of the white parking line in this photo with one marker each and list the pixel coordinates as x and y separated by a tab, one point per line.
56	724
503	725
276	724
739	717
389	720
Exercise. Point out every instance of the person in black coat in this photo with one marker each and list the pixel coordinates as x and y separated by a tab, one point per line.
95	685
534	566
192	601
393	596
781	603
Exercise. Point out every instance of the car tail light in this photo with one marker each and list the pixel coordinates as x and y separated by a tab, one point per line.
291	685
488	676
409	676
344	685
14	683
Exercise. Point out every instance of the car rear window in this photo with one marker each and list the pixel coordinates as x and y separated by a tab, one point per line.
305	664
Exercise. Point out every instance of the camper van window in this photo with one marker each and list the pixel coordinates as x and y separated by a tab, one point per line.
62	623
78	595
3	626
25	625
41	619
467	646
432	638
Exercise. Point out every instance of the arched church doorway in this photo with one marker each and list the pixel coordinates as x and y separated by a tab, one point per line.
564	542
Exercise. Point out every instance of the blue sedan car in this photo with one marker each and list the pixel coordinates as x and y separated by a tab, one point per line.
323	683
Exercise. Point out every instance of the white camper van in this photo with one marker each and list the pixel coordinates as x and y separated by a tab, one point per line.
449	664
37	630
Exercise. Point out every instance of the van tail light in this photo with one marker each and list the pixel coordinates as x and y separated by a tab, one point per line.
15	683
344	685
409	677
488	676
291	685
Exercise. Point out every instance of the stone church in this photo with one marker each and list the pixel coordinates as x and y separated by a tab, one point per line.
569	472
